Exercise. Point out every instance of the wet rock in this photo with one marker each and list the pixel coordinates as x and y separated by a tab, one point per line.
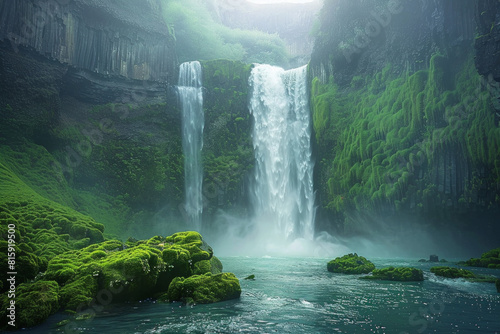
404	274
350	264
203	289
450	272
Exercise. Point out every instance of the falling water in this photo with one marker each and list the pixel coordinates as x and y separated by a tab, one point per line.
282	195
191	98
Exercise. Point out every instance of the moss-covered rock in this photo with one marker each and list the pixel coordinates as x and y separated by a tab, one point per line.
404	274
34	302
350	264
450	272
204	289
489	259
138	270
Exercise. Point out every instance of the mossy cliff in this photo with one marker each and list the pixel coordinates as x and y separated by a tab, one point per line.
227	144
402	138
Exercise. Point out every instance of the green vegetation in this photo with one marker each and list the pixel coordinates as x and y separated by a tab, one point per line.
450	272
35	302
203	289
350	264
227	148
404	274
490	259
200	37
393	141
43	228
110	271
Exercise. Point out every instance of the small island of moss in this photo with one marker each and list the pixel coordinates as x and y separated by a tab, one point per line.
350	264
402	274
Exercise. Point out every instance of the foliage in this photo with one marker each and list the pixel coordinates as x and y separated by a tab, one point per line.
404	274
450	272
490	259
200	37
350	264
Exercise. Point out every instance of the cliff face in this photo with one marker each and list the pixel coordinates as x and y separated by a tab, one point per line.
405	125
362	36
126	38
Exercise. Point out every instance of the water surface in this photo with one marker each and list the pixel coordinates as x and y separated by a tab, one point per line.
298	295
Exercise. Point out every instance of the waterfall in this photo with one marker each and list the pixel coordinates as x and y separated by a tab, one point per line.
282	191
191	98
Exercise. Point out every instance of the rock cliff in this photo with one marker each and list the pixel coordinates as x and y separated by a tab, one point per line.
126	38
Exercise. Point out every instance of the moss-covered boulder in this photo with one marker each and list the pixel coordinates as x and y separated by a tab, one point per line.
350	264
135	271
403	274
450	272
111	271
489	259
203	289
34	302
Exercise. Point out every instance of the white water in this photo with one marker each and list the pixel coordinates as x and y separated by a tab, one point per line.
282	191
191	97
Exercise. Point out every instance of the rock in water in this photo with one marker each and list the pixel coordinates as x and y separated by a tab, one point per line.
403	274
119	273
350	264
497	283
203	289
433	258
450	272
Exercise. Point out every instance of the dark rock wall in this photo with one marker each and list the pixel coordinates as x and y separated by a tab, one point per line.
362	36
126	38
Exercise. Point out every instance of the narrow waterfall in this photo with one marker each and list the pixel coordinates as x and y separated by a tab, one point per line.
191	97
282	192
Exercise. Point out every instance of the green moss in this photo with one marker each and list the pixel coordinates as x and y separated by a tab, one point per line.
387	142
450	272
43	228
404	274
202	289
350	264
213	266
34	303
227	146
490	259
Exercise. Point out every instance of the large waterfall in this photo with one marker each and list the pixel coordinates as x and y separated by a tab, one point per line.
282	191
191	97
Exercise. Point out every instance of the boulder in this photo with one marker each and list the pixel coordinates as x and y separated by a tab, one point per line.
350	264
433	258
450	272
203	289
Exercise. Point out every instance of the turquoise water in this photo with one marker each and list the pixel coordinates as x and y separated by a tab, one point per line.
298	295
